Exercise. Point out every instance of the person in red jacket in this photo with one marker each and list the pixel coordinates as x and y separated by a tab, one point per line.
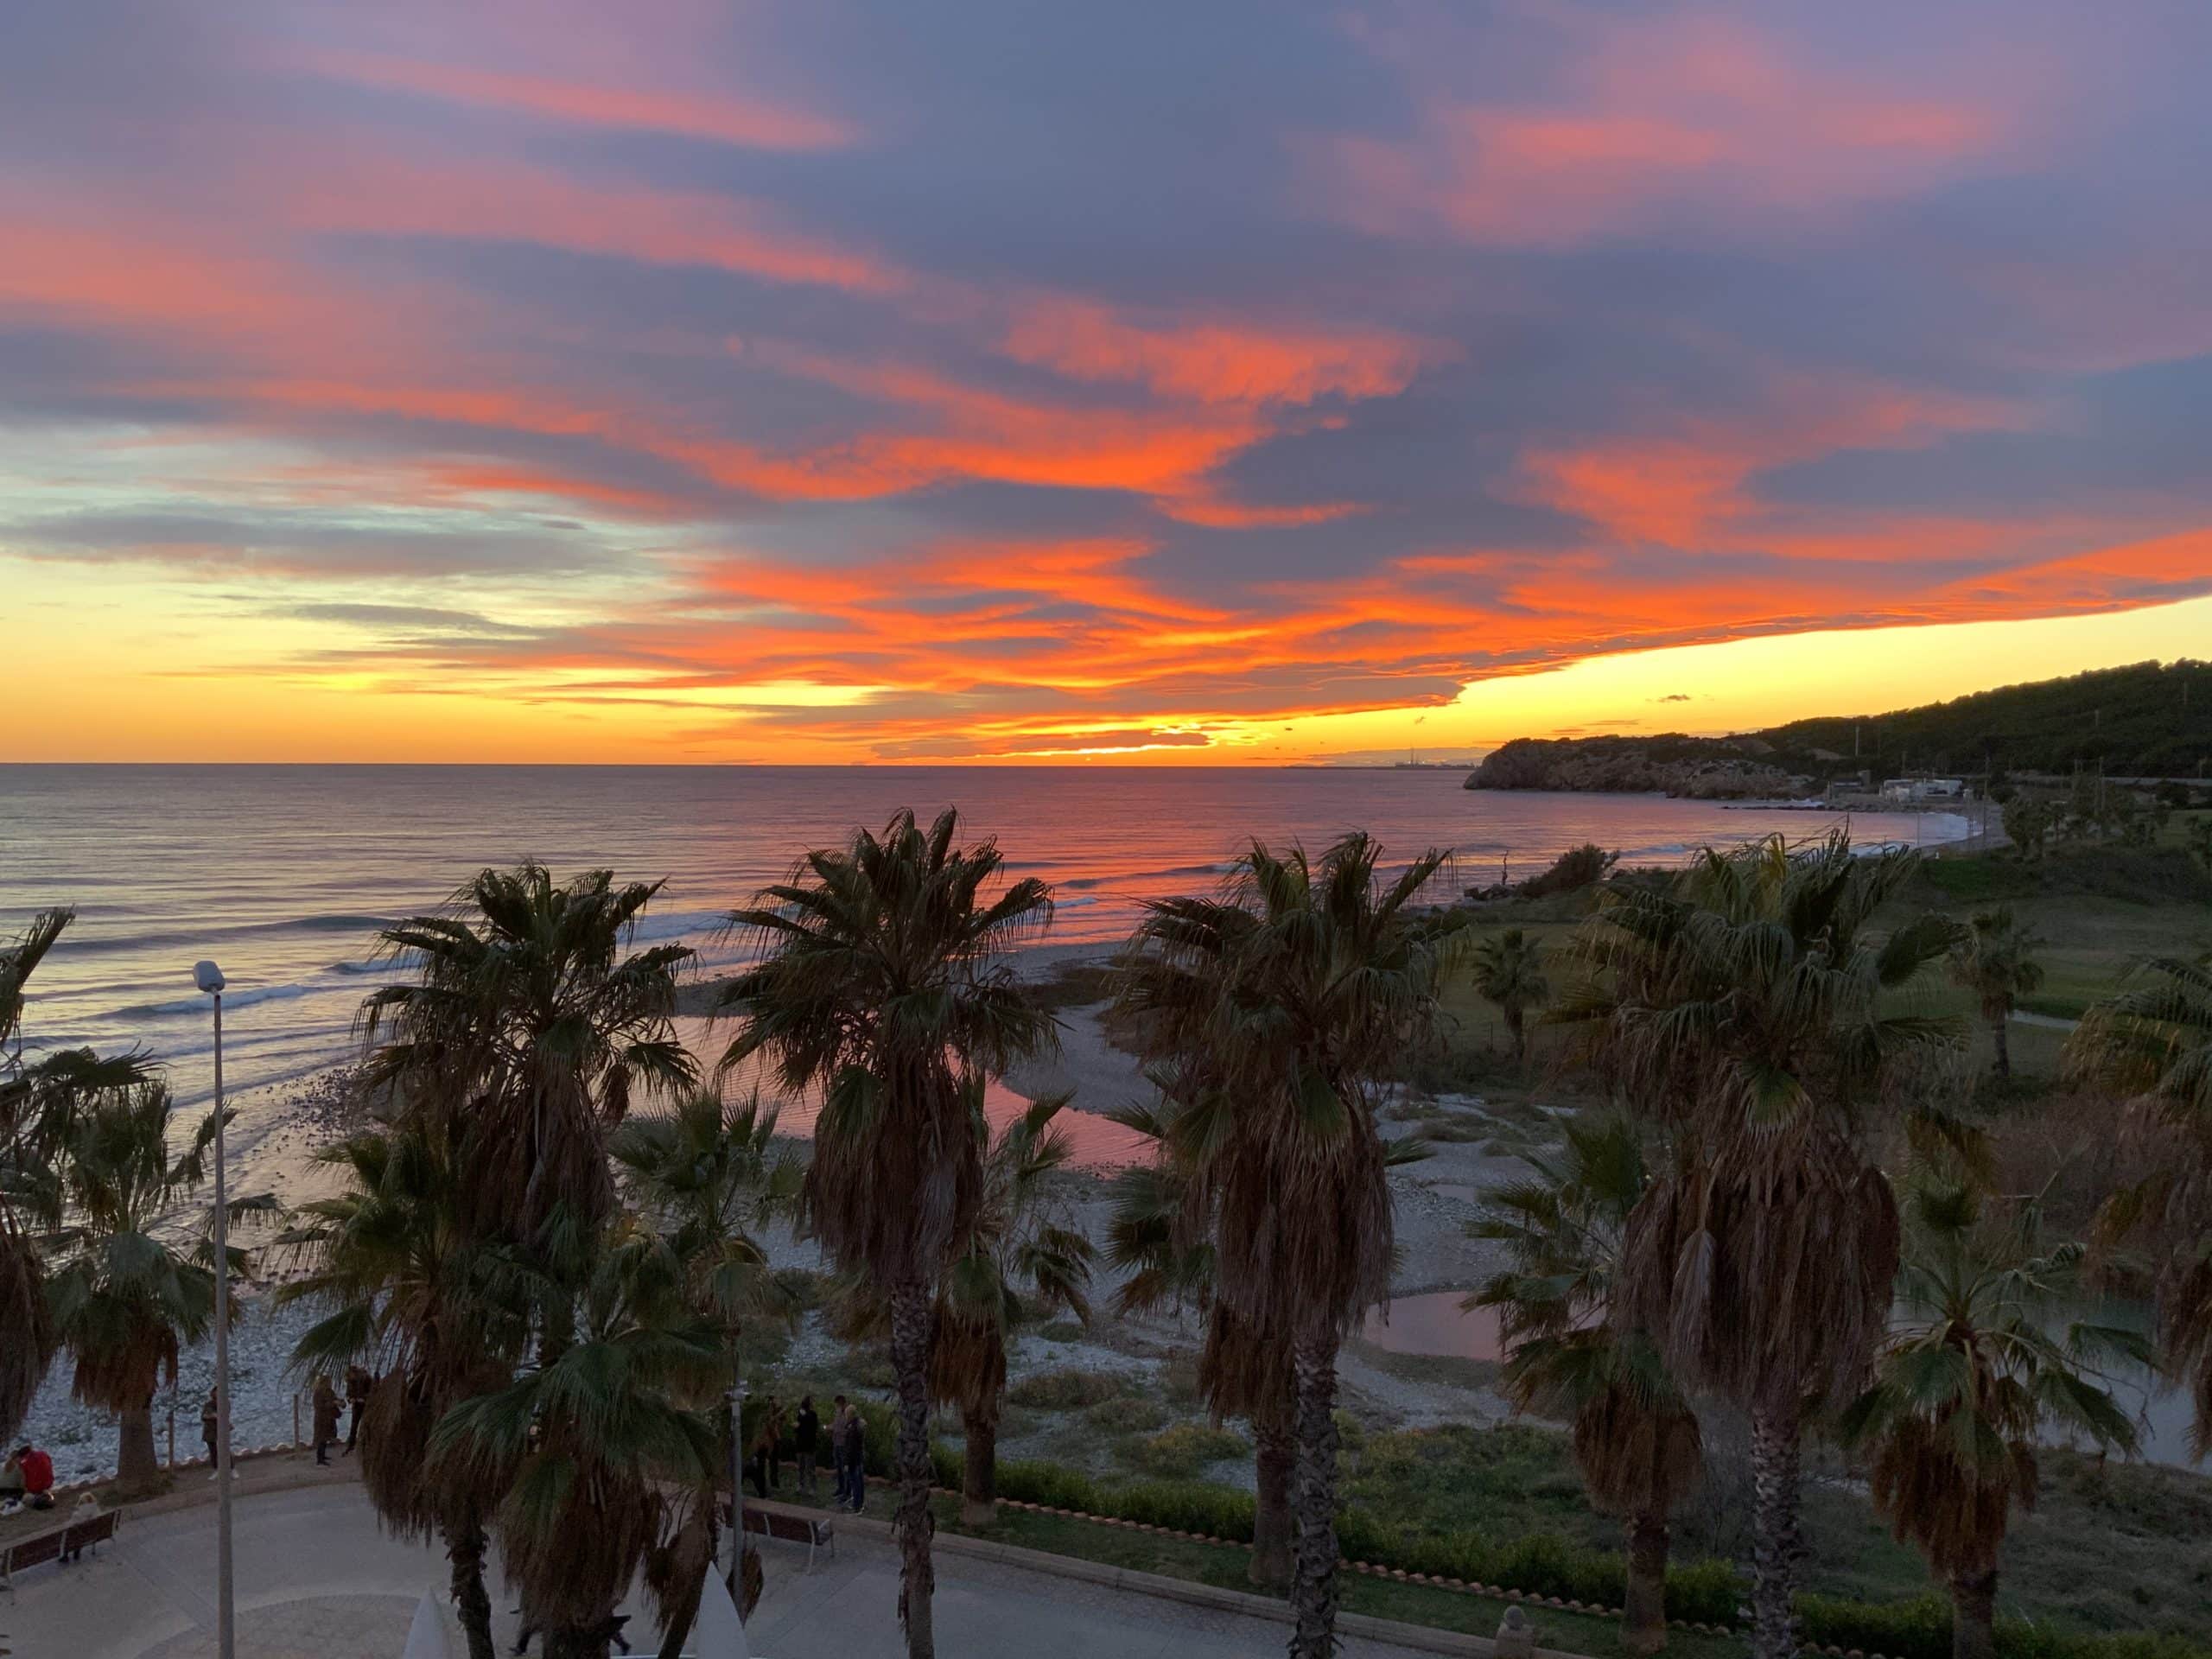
37	1470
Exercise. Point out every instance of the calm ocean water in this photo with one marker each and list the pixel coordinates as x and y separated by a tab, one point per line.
282	872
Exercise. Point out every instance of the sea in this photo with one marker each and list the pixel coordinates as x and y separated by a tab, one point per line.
284	873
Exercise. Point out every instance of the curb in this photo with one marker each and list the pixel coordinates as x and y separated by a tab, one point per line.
1420	1638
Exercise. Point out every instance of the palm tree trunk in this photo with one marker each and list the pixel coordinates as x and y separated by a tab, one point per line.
910	1363
1514	1026
465	1548
135	1465
1277	1448
1313	1500
1974	1615
1643	1619
2002	1039
1776	1545
979	1496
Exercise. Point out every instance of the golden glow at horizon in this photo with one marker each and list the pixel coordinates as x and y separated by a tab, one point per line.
118	668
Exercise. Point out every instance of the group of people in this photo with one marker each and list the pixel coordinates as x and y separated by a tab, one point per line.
358	1386
27	1480
847	1449
27	1483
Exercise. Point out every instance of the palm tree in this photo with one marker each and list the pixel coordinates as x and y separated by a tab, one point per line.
1023	1262
1634	1437
880	985
39	1103
406	1292
1509	973
121	1300
1291	999
523	1037
1750	1009
605	1445
1167	1264
1969	1375
2152	1039
704	1175
526	1023
1993	958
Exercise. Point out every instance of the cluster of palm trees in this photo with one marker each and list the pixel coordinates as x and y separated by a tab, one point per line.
1774	1216
1733	1237
88	1180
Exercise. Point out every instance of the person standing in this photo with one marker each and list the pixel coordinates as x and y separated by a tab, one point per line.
325	1419
853	1449
806	1437
839	1411
358	1384
209	1420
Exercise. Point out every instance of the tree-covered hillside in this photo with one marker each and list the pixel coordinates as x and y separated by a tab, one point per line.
2141	721
2144	719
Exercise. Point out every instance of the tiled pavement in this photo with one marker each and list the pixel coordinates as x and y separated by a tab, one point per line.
318	1580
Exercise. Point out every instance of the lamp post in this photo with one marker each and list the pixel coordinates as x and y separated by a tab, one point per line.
734	1398
209	978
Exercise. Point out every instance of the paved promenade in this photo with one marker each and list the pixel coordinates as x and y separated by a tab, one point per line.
318	1580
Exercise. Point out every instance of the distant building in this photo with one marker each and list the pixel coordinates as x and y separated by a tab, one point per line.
1915	790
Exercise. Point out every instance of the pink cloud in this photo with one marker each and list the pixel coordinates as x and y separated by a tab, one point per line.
1659	124
753	124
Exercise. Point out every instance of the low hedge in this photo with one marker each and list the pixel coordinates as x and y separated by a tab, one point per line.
1921	1628
1538	1564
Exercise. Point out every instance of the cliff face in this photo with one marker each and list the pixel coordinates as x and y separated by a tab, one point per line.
1699	768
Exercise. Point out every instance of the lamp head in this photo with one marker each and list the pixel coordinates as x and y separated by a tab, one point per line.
207	976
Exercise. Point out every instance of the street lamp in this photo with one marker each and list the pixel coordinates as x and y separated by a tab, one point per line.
209	978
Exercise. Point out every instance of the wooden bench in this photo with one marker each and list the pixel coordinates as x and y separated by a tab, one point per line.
42	1547
793	1526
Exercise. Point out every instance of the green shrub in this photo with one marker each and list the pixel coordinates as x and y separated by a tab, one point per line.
948	1466
1921	1628
1539	1564
1031	1481
1128	1413
1066	1390
1186	1449
1186	1506
1574	869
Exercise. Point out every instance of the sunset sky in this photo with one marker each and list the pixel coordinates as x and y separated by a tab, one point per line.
1213	382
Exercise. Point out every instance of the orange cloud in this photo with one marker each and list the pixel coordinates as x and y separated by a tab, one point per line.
1214	362
1688	488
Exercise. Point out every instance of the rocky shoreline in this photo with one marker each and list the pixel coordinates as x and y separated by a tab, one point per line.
1701	769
